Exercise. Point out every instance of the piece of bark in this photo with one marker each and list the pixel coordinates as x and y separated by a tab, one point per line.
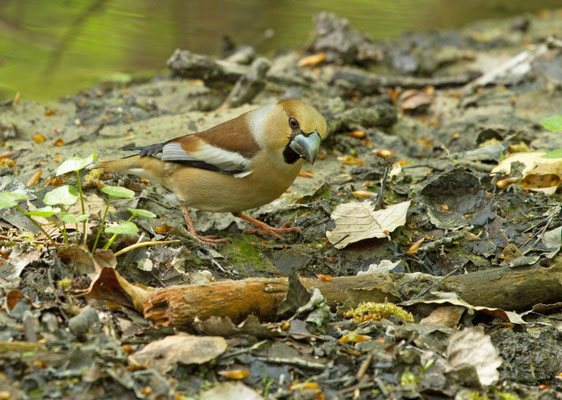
215	73
368	83
249	85
342	44
505	288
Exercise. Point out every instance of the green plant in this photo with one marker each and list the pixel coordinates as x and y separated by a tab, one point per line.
12	200
65	196
114	192
75	165
553	124
127	227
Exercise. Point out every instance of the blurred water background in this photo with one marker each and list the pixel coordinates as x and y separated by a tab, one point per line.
52	48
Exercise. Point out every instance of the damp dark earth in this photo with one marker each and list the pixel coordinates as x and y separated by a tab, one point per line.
426	262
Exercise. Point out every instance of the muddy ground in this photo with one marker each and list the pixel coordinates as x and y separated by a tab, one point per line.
427	116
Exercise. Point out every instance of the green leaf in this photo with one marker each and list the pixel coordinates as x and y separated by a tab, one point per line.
553	123
137	212
73	219
75	164
118	192
9	199
553	154
65	195
124	228
44	212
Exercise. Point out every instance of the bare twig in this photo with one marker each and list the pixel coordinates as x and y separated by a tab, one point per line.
378	203
143	244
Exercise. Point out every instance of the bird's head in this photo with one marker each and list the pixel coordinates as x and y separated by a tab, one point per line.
292	127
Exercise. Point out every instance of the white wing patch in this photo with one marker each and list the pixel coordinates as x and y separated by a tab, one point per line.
257	120
222	159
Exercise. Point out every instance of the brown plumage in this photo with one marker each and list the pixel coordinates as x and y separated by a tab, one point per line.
240	164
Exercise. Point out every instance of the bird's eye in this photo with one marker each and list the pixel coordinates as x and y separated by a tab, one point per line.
293	123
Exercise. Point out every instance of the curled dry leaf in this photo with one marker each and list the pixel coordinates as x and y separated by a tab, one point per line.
34	179
306	174
414	100
445	315
109	285
13	297
231	391
358	221
364	194
472	346
354	338
357	134
351	160
235	373
539	173
38	138
453	299
415	247
313	60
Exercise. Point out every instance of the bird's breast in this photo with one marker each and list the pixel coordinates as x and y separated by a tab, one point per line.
214	191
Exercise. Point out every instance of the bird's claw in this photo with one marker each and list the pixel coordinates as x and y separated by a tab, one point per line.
208	240
270	230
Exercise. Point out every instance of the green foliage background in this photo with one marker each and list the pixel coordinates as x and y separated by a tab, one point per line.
51	48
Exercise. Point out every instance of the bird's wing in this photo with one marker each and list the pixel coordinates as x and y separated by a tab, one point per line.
222	148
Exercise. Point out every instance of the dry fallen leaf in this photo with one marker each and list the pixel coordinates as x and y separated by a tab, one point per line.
415	247
235	373
358	221
364	194
472	346
351	160
110	286
38	138
539	173
186	349
34	179
453	299
413	100
312	61
354	338
230	391
445	315
357	134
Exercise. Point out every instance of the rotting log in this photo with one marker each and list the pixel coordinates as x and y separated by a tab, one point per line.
506	288
516	289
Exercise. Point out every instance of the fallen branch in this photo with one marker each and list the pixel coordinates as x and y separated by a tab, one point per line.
505	288
367	83
215	73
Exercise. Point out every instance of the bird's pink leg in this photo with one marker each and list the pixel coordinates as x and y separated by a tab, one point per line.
208	240
264	229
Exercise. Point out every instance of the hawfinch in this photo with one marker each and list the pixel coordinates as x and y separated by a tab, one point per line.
240	164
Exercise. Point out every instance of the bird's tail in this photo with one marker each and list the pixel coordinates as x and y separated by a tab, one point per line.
121	166
146	167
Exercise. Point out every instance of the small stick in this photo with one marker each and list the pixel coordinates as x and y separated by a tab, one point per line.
143	244
378	203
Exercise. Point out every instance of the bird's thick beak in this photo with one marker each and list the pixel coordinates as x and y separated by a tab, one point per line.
306	146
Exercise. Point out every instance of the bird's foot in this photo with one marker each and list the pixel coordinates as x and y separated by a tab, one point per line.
208	240
202	239
265	229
